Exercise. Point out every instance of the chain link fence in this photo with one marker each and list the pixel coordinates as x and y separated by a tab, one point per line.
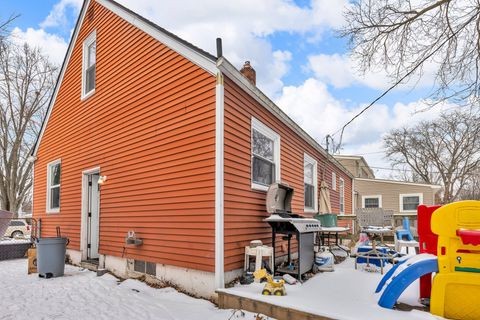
17	237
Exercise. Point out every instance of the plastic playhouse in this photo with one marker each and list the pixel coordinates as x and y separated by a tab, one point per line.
455	291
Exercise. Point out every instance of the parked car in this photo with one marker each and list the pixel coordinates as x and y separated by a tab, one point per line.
18	228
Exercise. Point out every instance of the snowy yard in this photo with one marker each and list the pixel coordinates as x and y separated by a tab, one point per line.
80	294
345	294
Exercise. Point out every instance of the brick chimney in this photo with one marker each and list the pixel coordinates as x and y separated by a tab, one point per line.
249	73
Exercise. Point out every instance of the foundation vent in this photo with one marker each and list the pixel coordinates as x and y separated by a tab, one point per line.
145	267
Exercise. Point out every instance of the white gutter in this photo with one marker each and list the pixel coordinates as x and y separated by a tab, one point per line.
219	183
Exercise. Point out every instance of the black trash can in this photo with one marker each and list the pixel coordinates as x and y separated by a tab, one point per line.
51	256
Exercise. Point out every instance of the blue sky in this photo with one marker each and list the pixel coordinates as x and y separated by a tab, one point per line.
300	62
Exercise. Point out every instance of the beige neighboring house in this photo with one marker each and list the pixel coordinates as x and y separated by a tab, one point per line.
400	196
357	166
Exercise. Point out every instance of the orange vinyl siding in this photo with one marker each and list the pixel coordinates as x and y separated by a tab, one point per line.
245	207
150	127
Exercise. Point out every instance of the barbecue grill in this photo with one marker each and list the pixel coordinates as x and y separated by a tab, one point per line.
283	221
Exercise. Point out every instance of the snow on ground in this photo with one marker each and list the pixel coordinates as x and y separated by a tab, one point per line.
345	294
80	294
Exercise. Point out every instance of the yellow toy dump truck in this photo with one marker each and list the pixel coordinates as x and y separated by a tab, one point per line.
272	287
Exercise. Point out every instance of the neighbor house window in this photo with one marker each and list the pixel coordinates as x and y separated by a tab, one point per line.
341	190
410	202
310	183
89	73
334	181
372	201
265	155
53	186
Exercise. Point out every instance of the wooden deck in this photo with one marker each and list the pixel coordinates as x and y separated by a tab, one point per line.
231	301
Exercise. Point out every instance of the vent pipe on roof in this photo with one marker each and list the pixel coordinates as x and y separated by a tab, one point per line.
219	48
249	73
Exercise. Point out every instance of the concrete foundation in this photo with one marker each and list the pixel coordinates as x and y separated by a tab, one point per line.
195	282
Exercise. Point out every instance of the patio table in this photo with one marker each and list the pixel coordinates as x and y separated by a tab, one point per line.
374	253
326	232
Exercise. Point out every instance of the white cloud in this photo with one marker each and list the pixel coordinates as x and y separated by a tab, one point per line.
58	15
51	45
341	72
244	27
319	113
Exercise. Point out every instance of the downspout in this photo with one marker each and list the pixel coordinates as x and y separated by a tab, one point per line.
219	180
354	205
33	160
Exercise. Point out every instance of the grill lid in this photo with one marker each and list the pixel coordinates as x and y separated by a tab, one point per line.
279	198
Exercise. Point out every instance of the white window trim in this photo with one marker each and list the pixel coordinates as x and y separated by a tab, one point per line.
334	181
49	186
310	160
402	195
378	196
86	43
342	196
269	133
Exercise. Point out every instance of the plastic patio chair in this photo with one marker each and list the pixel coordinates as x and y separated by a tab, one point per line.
405	232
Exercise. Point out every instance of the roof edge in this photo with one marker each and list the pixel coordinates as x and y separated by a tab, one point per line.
361	158
198	56
229	69
193	53
66	59
433	186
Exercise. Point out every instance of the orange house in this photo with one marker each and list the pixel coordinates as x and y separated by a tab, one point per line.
148	133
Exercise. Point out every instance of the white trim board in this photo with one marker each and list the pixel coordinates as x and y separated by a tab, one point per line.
433	186
219	184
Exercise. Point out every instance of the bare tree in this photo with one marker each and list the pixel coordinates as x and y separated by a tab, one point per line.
403	37
444	151
471	191
4	26
26	82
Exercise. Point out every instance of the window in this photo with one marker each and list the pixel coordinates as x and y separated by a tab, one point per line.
265	156
89	65
341	190
53	186
374	201
334	181
310	183
410	202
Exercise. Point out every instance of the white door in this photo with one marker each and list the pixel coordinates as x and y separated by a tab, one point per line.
93	216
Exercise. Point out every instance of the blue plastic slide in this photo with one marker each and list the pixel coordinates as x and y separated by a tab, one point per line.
388	275
403	274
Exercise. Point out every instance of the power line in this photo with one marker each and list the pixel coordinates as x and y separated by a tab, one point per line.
366	153
393	86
